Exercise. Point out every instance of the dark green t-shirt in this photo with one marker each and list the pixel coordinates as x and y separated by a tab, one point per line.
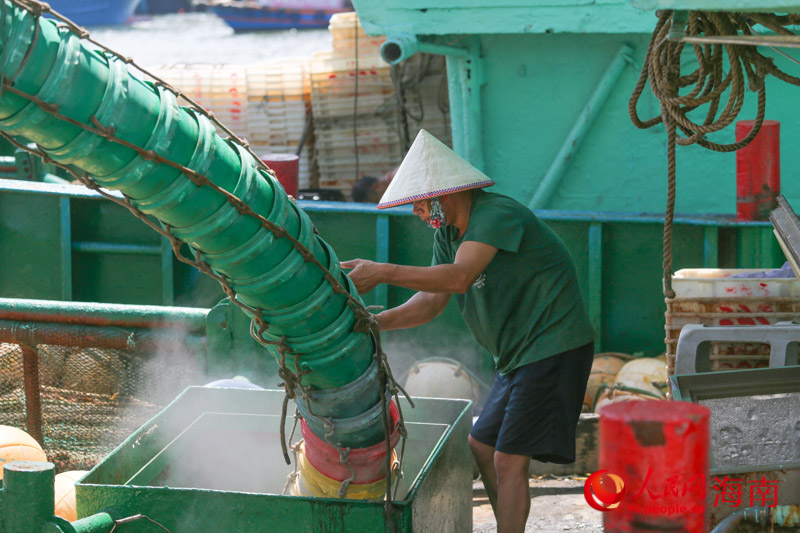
526	305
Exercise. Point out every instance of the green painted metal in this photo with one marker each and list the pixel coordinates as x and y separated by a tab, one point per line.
64	242
584	122
595	282
27	496
153	471
758	6
623	289
453	17
24	310
710	247
97	523
382	239
40	223
465	81
541	62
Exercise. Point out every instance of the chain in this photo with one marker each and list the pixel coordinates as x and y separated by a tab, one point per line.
365	322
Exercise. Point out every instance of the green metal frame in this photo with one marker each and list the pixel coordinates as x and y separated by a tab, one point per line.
446	471
617	256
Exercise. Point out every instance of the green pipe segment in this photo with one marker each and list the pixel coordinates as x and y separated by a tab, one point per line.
96	89
28	496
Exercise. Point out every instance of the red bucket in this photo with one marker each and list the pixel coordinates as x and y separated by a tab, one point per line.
368	463
287	170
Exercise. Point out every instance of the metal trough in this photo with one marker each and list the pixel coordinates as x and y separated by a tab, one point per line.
211	461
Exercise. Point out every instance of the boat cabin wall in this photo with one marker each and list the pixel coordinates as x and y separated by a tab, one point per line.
542	64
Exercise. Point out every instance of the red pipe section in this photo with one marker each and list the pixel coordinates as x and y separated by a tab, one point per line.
758	171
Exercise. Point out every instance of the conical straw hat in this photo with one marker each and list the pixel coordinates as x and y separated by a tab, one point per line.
430	169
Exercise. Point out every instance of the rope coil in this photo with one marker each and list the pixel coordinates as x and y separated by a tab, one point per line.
747	68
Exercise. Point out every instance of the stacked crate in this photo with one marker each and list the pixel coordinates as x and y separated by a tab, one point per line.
352	96
711	297
278	102
266	104
221	89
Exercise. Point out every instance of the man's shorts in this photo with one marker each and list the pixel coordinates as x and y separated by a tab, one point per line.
534	409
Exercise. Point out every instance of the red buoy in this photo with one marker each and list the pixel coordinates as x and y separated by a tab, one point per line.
287	170
655	454
758	171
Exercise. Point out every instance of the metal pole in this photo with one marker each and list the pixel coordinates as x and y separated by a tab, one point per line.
33	399
22	310
115	338
579	130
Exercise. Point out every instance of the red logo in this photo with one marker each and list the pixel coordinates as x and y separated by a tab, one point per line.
603	490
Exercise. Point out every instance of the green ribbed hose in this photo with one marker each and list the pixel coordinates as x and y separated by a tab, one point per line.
265	271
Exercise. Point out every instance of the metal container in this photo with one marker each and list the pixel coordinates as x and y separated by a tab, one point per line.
237	483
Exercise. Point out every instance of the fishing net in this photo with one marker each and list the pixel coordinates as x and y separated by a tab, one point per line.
81	402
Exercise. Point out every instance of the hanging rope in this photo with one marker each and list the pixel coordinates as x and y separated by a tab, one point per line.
708	85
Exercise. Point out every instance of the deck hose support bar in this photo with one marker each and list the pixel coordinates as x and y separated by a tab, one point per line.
400	47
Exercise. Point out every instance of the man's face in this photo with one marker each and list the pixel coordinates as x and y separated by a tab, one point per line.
422	208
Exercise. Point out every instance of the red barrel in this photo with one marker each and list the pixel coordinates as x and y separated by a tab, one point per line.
659	450
758	171
287	169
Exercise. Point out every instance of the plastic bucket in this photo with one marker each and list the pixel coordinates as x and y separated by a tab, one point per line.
286	168
359	431
312	482
368	463
345	401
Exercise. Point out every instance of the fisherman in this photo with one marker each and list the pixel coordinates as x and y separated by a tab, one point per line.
369	190
517	290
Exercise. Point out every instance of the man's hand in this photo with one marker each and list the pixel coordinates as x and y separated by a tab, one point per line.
366	275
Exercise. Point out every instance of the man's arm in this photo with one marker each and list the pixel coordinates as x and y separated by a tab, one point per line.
471	260
419	309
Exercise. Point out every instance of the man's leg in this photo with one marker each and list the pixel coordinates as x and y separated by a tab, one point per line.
484	456
513	492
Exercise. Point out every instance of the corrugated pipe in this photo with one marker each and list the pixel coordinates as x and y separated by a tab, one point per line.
87	110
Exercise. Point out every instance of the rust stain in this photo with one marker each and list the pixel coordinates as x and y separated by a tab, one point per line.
648	433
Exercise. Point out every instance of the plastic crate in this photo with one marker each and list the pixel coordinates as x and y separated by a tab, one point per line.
328	106
345	26
366	45
711	297
717	283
